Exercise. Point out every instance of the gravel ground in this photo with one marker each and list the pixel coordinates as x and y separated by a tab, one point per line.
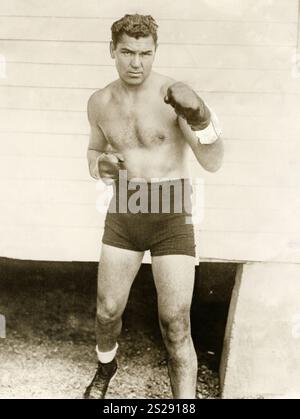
49	347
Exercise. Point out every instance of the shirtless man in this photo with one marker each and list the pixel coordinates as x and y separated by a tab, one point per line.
144	123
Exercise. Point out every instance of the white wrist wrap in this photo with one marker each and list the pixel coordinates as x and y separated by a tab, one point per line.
212	133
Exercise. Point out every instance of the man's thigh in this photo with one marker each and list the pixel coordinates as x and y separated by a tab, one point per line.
117	270
174	277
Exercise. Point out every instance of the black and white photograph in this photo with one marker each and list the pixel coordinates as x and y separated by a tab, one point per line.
150	201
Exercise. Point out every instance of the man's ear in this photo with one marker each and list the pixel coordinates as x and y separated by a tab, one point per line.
112	49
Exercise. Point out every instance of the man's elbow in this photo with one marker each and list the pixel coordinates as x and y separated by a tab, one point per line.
213	167
216	164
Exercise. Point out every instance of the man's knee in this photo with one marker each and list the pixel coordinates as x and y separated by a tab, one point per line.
176	328
108	311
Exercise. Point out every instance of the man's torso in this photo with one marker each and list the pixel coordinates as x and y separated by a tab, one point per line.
144	130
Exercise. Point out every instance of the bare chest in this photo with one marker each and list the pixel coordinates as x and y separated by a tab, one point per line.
144	125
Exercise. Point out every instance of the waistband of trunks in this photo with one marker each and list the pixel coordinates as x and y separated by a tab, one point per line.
153	183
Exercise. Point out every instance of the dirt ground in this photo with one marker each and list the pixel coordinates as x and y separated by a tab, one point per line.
49	352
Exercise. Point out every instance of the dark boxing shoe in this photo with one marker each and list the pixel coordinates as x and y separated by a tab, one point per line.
104	374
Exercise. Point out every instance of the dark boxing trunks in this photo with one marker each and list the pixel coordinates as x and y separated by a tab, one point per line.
152	216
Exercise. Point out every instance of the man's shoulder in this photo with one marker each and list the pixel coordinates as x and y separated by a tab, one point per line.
99	98
164	82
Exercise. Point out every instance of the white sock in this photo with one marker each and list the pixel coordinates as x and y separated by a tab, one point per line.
106	357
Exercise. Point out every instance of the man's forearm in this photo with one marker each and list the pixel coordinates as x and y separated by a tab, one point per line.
92	156
210	156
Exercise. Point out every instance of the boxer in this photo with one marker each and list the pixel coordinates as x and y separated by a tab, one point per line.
143	124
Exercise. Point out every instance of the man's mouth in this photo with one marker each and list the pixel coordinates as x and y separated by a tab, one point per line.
133	73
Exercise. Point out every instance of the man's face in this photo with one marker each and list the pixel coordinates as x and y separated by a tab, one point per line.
134	58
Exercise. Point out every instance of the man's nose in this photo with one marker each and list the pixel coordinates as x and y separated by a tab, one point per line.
135	62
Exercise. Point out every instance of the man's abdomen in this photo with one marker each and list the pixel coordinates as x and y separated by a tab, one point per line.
160	162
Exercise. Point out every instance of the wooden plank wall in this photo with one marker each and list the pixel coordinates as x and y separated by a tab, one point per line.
238	54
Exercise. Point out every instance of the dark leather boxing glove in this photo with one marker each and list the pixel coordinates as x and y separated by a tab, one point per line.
108	166
188	105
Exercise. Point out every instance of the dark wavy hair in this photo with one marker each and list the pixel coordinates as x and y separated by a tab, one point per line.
136	26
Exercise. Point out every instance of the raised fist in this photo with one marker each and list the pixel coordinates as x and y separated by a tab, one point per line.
188	105
108	166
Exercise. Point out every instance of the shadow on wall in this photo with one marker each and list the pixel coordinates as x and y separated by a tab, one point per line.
58	299
213	288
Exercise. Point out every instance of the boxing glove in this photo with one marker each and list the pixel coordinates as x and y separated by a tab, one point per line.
188	105
108	165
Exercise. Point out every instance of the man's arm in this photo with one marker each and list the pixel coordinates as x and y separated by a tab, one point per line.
198	124
97	141
210	156
104	163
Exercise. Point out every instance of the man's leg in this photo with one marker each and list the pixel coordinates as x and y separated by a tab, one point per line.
117	270
174	279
